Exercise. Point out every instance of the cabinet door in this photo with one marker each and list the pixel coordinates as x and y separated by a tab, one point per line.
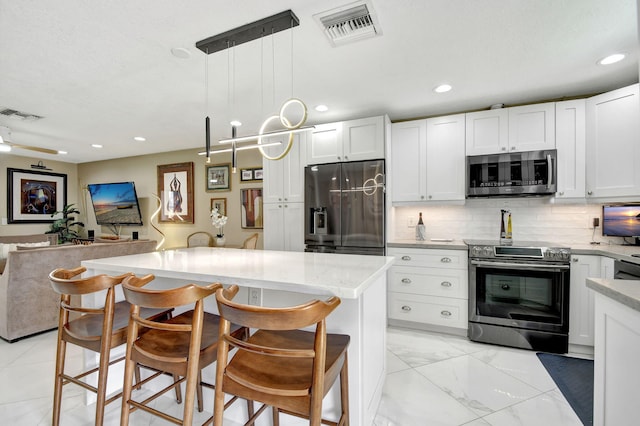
571	146
326	144
613	151
363	139
487	132
284	226
581	299
273	224
273	171
532	127
446	161
408	171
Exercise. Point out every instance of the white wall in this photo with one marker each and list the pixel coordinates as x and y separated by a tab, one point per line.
534	219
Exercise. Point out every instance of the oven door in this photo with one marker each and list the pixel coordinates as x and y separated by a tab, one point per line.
521	294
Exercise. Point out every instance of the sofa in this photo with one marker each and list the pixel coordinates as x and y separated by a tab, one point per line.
28	304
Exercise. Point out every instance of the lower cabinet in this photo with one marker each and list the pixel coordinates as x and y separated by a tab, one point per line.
284	226
428	288
581	298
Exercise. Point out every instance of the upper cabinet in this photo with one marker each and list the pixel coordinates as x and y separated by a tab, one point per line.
353	140
283	180
516	129
571	146
428	159
613	151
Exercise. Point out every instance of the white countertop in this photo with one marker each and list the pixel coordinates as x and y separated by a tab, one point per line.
342	275
626	292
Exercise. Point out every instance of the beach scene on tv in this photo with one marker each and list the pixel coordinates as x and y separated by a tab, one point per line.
622	221
115	203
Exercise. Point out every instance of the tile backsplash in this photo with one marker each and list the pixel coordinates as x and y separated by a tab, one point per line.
534	219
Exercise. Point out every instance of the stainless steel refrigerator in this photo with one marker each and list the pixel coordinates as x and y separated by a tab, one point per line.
344	207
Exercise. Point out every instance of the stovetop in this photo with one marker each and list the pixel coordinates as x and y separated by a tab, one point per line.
533	250
515	243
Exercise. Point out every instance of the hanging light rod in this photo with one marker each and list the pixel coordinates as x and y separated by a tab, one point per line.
267	134
249	32
240	148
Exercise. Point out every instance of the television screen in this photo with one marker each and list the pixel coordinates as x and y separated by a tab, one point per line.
621	220
115	203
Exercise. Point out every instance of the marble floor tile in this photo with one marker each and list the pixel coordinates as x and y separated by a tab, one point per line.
476	385
432	379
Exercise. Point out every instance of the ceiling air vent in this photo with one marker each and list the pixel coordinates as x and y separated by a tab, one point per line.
349	23
12	113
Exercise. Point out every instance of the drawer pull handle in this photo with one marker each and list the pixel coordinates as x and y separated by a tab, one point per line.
406	257
445	284
445	260
445	313
406	280
406	308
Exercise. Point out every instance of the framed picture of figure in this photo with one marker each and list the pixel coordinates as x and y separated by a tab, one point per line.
175	189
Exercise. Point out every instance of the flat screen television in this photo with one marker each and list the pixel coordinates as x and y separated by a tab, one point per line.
621	220
115	203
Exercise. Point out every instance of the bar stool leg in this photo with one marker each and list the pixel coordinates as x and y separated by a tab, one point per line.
57	390
344	391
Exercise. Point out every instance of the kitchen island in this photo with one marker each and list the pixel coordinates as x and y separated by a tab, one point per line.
277	279
617	350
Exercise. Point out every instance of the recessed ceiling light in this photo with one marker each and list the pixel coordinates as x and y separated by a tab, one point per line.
139	139
322	108
235	123
96	145
442	88
62	152
180	52
612	59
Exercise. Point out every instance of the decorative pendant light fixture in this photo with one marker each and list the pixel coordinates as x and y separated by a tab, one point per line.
249	32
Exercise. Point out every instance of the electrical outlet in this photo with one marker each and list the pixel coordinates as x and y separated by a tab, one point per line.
411	222
255	296
596	222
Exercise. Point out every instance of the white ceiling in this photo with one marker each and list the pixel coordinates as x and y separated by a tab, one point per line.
103	72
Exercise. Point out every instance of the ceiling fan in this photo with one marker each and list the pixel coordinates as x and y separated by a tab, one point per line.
6	143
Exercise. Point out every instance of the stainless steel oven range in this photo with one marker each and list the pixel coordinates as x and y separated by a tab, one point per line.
519	295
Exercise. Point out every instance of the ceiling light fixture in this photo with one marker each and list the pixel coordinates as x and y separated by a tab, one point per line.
241	148
443	88
246	33
321	108
96	145
139	138
62	152
612	59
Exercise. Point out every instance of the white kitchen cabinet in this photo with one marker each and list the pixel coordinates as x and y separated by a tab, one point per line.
487	132
446	162
515	129
532	127
581	299
428	159
613	151
283	180
353	140
284	226
408	167
428	289
571	147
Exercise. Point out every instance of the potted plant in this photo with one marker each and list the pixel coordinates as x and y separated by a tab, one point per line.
64	226
218	220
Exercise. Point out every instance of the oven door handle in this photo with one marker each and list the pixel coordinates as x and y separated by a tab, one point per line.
525	266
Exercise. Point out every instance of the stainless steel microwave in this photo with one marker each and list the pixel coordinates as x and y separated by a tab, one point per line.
512	174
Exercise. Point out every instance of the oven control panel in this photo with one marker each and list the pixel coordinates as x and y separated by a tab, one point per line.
553	254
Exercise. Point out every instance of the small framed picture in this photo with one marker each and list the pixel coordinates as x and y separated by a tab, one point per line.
251	208
251	175
220	204
218	177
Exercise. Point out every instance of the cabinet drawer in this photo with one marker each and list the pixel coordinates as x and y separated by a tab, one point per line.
429	281
428	309
450	259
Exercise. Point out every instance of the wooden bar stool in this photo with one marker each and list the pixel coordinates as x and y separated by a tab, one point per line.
181	346
96	329
279	365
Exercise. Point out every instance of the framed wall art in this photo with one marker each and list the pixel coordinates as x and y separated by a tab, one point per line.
175	188
221	204
251	208
251	175
218	177
32	196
